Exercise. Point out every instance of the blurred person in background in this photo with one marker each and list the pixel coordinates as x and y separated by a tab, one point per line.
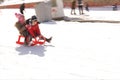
73	6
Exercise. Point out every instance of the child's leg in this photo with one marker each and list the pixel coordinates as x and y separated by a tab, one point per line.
31	32
46	39
27	37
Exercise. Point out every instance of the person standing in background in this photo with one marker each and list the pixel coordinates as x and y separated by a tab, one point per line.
22	8
86	6
73	7
80	6
115	7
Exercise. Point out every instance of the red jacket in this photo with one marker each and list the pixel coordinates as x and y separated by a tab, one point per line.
34	30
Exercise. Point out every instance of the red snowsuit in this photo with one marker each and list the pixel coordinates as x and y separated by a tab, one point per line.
34	30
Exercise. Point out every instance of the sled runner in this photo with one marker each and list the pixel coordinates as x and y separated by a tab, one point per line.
34	41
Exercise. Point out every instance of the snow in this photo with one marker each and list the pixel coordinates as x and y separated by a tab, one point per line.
96	13
79	51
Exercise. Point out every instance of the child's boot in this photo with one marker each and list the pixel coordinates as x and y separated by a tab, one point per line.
49	40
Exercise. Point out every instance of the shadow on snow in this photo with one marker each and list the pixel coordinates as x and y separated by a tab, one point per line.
35	50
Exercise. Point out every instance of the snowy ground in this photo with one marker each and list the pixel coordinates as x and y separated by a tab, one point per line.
78	51
96	13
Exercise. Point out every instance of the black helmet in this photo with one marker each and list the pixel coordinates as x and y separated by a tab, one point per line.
34	18
28	21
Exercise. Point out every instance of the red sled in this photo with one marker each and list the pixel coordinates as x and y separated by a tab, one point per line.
35	41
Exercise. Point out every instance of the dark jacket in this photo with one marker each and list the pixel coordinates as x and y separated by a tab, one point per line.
22	8
73	4
20	27
79	1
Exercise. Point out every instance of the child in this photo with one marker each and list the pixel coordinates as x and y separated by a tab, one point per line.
33	28
20	25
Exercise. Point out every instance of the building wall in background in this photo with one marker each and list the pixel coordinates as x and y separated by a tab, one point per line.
67	3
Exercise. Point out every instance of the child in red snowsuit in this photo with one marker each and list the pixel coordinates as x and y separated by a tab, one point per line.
33	28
